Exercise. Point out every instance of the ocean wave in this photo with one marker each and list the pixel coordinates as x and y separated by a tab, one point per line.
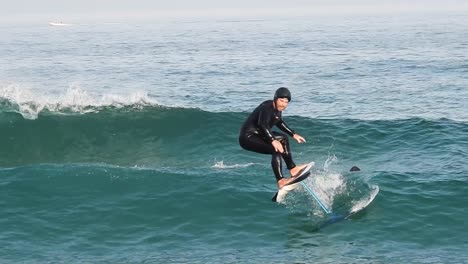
137	134
30	104
124	136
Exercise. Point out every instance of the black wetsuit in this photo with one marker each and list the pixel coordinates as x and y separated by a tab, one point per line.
256	135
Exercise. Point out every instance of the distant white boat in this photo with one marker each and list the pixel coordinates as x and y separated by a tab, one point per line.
58	24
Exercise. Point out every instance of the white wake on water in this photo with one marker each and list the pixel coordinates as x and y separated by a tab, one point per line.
326	183
30	103
221	165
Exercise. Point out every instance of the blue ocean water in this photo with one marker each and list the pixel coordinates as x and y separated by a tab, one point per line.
118	141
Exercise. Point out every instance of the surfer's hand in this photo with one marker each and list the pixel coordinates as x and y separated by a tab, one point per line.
299	138
278	146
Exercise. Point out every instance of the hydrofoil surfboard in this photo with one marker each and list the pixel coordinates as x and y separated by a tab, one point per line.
291	185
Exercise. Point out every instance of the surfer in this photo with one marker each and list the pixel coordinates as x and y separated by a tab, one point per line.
256	135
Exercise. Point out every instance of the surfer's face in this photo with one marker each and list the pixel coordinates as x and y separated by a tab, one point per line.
281	104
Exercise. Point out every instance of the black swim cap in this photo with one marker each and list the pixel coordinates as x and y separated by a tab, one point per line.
283	92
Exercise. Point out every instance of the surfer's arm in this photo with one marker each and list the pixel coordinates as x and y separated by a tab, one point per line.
264	126
282	125
265	129
285	128
275	143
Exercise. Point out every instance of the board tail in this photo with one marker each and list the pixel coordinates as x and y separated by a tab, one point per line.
281	193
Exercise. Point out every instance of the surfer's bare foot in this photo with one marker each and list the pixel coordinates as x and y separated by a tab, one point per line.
283	182
294	171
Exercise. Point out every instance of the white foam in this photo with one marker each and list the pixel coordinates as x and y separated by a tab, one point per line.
330	160
30	103
221	165
327	186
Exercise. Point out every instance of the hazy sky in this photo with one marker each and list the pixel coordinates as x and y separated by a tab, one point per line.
113	9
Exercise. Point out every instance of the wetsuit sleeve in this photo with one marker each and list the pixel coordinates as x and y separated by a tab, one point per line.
263	124
282	125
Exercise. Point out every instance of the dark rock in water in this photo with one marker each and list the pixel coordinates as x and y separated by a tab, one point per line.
355	168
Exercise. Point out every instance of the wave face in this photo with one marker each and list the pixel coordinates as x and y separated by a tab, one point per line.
157	135
163	181
122	136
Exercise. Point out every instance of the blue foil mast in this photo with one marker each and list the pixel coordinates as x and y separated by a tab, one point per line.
316	198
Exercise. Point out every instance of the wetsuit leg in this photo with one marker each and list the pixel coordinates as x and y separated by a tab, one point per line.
277	165
287	155
257	144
